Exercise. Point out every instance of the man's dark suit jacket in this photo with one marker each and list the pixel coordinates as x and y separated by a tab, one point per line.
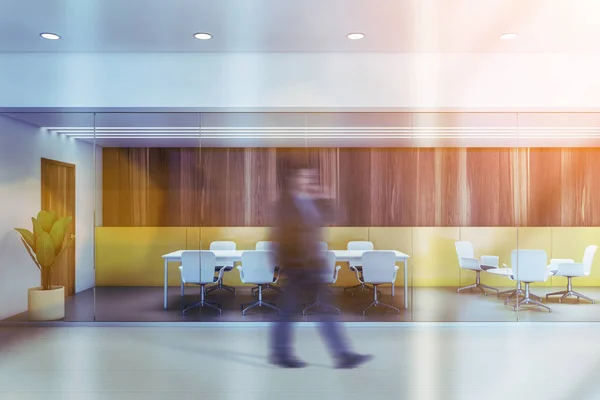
297	234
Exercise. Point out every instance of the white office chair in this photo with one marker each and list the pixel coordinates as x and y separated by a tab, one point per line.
268	246
223	245
570	269
378	268
258	267
331	273
357	265
198	267
529	266
467	260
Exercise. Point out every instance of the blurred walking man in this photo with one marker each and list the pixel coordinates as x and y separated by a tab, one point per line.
301	214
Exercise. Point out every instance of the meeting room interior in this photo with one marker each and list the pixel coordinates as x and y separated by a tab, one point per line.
486	216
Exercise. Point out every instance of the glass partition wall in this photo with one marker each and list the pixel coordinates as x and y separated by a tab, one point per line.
453	194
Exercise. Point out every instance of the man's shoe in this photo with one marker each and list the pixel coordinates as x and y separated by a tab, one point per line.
287	362
353	360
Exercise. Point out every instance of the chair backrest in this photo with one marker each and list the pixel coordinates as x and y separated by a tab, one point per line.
588	258
329	270
378	266
198	266
359	245
529	265
223	245
265	245
464	249
258	266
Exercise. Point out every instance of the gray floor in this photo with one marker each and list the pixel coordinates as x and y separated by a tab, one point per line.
144	304
415	361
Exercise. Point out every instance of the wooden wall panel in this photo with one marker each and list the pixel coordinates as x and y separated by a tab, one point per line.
489	187
544	201
450	194
110	187
261	176
580	201
235	188
394	187
213	199
373	187
425	191
190	187
354	201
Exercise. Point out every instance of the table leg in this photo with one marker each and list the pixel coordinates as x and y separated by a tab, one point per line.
405	283
166	280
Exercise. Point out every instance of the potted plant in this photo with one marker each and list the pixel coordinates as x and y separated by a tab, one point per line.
45	245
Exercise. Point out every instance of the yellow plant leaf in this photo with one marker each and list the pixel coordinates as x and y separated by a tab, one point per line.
47	219
37	230
31	254
27	237
58	232
65	247
44	250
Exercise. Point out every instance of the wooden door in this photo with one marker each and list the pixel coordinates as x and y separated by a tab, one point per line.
58	194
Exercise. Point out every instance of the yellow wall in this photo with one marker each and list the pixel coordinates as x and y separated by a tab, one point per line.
132	256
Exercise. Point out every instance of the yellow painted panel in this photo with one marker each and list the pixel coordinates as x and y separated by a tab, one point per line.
434	256
337	238
536	238
132	256
571	243
491	241
394	239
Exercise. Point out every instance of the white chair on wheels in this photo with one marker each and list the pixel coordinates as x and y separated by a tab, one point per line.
331	273
223	245
467	260
357	265
268	246
529	266
570	269
378	268
198	267
258	267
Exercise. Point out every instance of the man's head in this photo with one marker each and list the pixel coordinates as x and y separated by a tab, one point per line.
303	180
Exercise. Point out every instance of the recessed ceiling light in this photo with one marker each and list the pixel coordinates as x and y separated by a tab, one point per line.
356	36
202	36
509	36
50	36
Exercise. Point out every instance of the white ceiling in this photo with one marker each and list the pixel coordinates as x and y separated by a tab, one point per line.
425	129
459	26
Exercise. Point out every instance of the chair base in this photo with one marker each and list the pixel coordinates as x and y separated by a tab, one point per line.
203	303
259	303
377	303
569	292
361	286
528	300
267	287
519	292
319	304
477	285
220	286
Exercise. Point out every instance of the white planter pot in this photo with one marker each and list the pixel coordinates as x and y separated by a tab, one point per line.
46	305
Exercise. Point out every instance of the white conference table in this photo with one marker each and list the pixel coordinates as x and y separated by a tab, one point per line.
228	256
